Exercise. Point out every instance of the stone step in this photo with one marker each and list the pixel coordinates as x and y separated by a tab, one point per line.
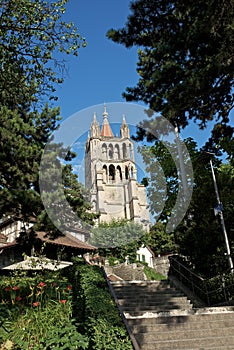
141	283
140	310
189	344
153	301
141	287
175	335
151	313
146	293
161	318
194	316
143	327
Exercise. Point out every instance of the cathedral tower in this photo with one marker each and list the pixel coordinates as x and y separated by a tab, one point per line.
111	174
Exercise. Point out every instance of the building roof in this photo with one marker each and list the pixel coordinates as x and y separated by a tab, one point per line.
66	240
106	129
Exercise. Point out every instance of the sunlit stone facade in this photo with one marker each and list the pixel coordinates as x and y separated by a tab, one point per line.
111	174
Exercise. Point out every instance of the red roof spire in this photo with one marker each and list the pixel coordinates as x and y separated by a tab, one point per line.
106	129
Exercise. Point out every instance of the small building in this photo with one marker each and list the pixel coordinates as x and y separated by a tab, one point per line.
146	255
63	247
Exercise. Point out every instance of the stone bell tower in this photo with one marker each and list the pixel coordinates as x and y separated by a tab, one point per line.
111	174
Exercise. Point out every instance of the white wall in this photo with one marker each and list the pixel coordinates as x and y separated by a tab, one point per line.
145	255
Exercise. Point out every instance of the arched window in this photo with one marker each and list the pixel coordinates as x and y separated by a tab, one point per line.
111	173
124	151
116	152
118	173
104	151
130	151
126	172
104	176
111	152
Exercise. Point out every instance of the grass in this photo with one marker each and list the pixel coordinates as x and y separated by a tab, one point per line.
152	275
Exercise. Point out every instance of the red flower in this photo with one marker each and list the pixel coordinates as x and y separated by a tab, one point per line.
41	285
15	288
63	301
18	298
54	284
36	304
69	287
8	288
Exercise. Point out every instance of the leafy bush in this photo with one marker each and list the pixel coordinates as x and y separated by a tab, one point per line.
99	313
36	313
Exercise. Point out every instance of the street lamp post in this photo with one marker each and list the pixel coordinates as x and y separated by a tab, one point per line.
220	210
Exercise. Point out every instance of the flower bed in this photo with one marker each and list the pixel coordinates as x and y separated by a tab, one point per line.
36	313
51	310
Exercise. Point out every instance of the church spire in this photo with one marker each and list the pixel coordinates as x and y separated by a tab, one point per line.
106	129
95	127
124	129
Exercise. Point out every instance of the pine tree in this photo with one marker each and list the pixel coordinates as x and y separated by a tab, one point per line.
185	60
32	36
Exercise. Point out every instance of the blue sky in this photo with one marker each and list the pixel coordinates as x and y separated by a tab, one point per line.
103	70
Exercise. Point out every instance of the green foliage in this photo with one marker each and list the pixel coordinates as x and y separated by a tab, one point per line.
31	33
218	290
152	275
185	59
199	235
95	307
118	239
64	196
33	41
36	312
161	241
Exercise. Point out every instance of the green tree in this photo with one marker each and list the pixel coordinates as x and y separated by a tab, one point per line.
67	204
160	241
199	234
33	41
33	34
22	143
185	59
118	239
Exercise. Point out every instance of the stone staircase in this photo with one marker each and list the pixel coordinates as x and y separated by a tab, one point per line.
162	318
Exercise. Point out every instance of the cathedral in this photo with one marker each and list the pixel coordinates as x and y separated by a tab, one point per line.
111	174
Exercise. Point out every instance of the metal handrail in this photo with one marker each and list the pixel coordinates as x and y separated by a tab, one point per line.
197	284
131	335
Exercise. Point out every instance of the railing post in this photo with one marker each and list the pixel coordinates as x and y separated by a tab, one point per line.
207	295
224	288
191	279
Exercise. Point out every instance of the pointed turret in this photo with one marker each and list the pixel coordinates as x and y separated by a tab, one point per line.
95	127
106	129
124	129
